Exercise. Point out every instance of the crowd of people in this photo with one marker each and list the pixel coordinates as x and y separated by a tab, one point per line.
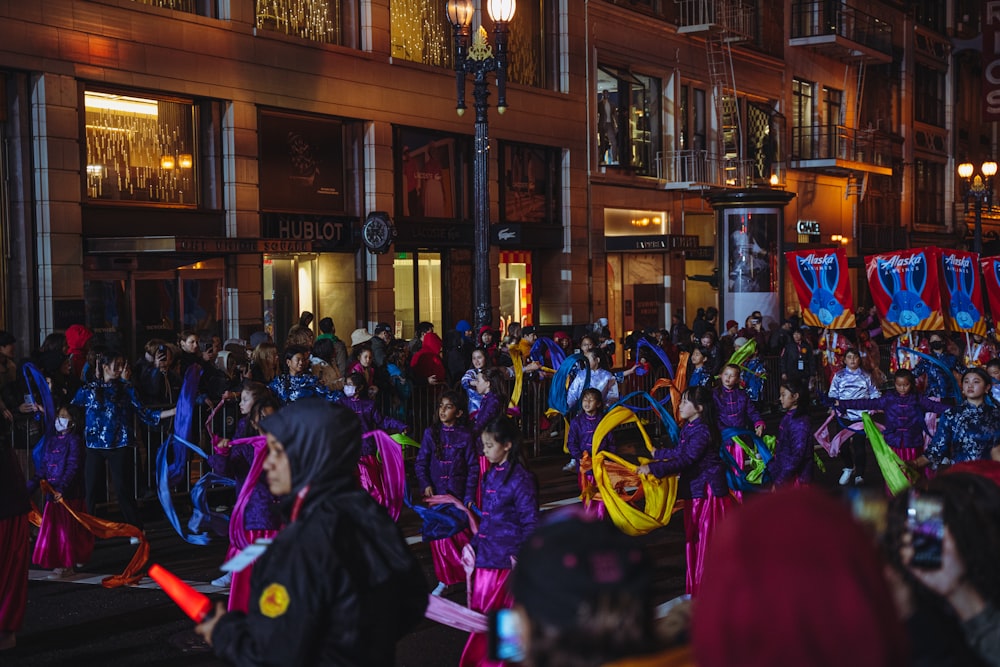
299	485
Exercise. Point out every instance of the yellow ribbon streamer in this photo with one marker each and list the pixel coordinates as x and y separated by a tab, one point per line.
660	494
518	363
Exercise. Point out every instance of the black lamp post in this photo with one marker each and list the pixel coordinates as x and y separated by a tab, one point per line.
978	190
479	60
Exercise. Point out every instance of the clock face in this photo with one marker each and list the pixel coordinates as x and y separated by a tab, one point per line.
377	232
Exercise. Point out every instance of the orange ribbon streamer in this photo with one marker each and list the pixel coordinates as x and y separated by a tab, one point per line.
103	529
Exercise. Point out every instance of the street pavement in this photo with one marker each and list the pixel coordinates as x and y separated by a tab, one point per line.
76	622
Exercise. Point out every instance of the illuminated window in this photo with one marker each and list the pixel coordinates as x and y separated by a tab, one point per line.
420	32
628	120
417	289
315	20
140	149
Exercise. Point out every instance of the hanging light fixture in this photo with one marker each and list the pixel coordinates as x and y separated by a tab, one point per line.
167	162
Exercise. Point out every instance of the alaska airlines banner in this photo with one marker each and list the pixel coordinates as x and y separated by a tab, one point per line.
991	283
963	291
904	285
820	278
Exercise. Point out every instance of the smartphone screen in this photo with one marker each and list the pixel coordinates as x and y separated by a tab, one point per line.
506	642
925	521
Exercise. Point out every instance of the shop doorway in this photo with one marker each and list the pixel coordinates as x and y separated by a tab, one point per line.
701	287
515	288
637	295
418	294
125	309
321	283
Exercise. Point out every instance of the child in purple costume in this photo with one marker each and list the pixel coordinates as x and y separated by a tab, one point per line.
510	513
703	476
369	469
62	541
904	410
579	441
447	452
793	451
260	519
488	383
736	410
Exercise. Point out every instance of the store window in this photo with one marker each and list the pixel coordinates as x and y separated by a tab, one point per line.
628	120
928	205
420	32
529	189
315	20
141	149
417	290
530	55
430	181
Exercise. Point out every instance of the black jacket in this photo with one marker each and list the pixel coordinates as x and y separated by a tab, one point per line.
338	586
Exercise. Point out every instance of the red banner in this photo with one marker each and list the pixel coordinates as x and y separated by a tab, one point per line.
904	285
820	278
962	296
991	283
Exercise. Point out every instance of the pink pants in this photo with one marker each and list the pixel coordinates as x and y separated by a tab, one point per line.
701	516
489	592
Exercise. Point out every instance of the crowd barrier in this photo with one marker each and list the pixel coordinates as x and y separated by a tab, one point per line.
421	412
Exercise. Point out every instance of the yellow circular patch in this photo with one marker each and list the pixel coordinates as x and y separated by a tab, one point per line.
274	601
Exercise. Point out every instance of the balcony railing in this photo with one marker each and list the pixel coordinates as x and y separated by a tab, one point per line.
816	19
698	167
829	142
735	16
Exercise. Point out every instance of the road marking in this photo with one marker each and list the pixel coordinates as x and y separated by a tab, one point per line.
96	579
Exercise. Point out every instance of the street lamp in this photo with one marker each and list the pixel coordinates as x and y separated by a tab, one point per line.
978	190
479	60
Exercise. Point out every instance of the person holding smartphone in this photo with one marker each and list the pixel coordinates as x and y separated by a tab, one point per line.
950	543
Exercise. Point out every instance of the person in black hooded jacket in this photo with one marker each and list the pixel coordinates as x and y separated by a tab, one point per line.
339	585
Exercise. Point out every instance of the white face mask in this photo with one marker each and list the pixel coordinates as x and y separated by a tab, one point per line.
349	390
62	424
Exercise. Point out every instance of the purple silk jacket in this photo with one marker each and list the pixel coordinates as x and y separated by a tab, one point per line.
62	465
793	451
736	410
371	420
510	512
489	409
448	473
581	435
696	458
904	416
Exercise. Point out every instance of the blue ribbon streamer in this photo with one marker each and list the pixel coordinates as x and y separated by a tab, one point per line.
218	521
439	521
560	382
956	390
658	351
183	420
673	431
735	475
556	354
163	487
34	376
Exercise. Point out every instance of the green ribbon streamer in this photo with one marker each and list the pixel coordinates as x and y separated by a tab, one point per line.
894	471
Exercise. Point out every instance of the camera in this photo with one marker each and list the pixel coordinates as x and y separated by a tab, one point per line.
925	522
162	349
506	640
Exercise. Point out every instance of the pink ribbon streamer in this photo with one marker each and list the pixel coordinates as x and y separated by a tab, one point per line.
238	536
454	615
393	474
833	445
